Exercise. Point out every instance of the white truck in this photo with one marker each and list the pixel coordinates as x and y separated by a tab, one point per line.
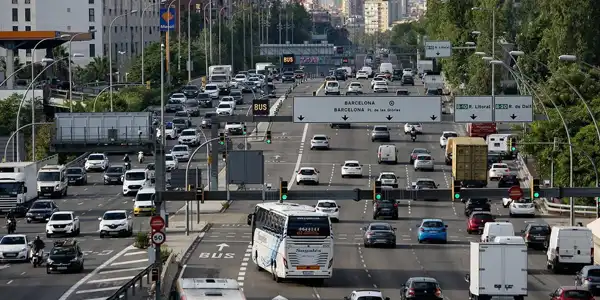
221	75
433	81
264	66
18	184
424	65
497	269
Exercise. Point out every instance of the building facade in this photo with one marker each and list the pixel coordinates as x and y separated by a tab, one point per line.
82	16
376	16
398	10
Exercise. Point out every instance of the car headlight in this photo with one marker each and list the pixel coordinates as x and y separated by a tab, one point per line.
49	261
70	224
57	186
105	176
28	214
24	249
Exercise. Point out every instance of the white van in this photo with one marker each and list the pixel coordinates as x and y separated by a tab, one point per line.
133	181
52	181
332	87
369	71
493	229
498	143
144	201
386	67
388	154
518	240
569	247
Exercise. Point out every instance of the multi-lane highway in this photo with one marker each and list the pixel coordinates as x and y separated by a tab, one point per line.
109	263
224	249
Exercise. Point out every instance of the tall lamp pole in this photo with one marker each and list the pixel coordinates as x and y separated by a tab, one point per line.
206	56
110	50
70	70
493	11
189	39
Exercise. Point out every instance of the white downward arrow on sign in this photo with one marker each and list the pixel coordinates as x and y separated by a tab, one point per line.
221	246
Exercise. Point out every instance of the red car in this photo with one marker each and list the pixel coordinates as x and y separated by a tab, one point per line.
571	293
477	221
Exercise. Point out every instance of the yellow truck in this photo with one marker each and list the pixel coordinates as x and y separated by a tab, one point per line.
469	161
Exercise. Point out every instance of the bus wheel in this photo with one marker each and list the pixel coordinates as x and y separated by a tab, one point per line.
258	268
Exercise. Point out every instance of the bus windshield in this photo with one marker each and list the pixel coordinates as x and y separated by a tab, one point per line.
308	226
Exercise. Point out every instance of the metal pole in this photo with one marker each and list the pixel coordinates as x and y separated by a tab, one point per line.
16	131
287	36
244	40
552	162
142	44
220	20
179	34
251	35
493	66
231	34
210	31
189	43
162	94
205	39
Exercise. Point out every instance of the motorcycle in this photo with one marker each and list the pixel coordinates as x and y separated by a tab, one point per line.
413	137
127	166
11	226
141	157
37	258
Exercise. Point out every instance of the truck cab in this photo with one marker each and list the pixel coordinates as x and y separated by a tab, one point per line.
52	181
17	186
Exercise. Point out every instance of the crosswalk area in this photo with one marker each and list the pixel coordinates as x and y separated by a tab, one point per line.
106	279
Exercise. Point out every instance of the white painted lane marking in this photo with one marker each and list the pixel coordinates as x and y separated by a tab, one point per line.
135	253
109	279
129	262
98	290
122	270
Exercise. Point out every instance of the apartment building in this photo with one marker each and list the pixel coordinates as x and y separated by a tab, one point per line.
353	7
376	16
398	10
82	16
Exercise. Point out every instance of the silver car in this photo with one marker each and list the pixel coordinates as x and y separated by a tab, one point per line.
380	133
319	141
423	162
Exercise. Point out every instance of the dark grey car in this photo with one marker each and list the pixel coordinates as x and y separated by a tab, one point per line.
380	133
77	176
41	210
191	107
237	96
173	106
379	234
204	100
114	175
421	288
181	124
385	208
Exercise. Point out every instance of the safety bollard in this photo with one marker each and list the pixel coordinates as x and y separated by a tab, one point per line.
314	93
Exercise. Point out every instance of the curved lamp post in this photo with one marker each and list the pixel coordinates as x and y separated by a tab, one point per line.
104	90
17	131
70	70
143	41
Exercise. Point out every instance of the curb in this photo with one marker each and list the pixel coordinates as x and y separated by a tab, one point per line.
186	255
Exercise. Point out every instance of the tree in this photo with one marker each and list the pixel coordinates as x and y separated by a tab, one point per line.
61	67
95	71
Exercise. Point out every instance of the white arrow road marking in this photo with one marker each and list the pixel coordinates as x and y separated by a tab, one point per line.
6	266
221	246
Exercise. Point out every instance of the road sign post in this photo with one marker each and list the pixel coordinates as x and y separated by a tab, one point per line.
367	109
515	192
157	223
158	238
438	49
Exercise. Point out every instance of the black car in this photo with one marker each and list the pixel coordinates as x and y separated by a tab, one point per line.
379	234
508	180
397	75
77	176
385	208
341	75
237	96
408	80
477	204
536	235
204	100
65	256
492	158
299	74
41	210
181	124
421	288
190	91
114	175
288	76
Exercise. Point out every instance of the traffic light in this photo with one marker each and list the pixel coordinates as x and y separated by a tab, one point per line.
512	144
456	190
224	155
283	190
377	192
148	84
535	189
222	138
268	140
244	130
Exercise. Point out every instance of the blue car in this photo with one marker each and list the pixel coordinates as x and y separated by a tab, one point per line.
432	230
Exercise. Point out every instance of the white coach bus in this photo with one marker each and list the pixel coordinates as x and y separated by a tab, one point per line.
207	288
290	240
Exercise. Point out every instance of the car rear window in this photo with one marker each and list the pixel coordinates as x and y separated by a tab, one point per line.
307	172
544	230
380	227
449	135
424	157
380	128
483	217
351	165
433	224
424	285
577	294
388	176
326	204
319	138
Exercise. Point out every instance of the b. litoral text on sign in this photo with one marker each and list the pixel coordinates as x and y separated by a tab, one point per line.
435	49
473	109
367	109
513	109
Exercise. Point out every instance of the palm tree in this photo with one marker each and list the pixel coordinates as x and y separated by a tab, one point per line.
61	68
97	69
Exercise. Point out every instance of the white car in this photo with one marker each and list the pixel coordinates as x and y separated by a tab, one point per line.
63	223
329	208
354	88
319	141
523	207
212	89
424	162
225	109
362	75
380	87
498	170
233	85
115	223
234	128
256	81
14	247
133	181
96	161
189	137
352	168
240	77
228	99
171	162
409	126
332	87
178	97
181	152
366	294
307	175
388	179
445	136
376	80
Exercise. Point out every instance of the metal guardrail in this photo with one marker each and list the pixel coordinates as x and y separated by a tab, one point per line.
78	161
135	284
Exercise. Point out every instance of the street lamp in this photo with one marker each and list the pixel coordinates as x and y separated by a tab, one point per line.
110	50
480	53
476	32
493	11
206	57
470	43
71	71
143	31
488	58
189	43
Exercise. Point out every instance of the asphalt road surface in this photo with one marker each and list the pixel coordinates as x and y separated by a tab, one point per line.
109	263
223	251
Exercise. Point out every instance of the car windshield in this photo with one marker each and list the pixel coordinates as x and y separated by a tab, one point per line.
224	105
49	176
188	133
419	150
144	197
380	227
41	205
63	251
253	79
240	76
426	183
115	170
172	101
319	138
352	165
450	134
114	216
369	298
577	294
355	84
211	88
307	172
326	204
380	128
61	217
203	96
218	78
540	230
189	88
388	176
423	285
180	149
478	201
96	157
12	240
191	103
413	124
169	157
179	121
135	176
288	73
433	224
178	96
332	84
483	217
76	171
524	201
423	157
